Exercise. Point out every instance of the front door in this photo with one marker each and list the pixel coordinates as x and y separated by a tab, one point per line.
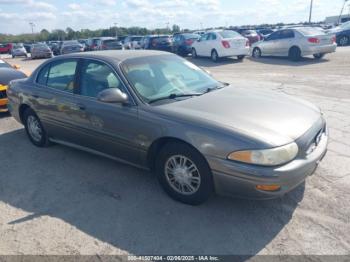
109	128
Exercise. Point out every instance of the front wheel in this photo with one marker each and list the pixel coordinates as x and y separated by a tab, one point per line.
344	40
34	128
256	52
184	174
319	56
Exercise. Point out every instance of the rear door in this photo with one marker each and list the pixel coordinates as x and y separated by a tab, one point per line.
106	127
54	99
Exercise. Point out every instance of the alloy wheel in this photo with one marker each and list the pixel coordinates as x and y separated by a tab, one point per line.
34	128
182	175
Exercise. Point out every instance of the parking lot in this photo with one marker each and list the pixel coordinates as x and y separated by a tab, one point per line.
58	200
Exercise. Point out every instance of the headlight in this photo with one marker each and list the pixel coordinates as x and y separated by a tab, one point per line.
266	157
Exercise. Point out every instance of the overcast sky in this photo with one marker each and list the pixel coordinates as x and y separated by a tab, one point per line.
15	15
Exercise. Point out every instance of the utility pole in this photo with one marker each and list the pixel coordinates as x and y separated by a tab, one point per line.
310	16
341	12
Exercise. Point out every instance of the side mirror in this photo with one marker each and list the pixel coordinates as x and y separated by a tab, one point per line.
16	67
112	95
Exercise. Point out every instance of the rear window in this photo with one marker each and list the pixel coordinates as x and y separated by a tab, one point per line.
311	31
228	34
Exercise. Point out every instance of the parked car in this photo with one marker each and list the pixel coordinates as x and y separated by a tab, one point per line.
150	109
56	48
41	51
199	32
5	48
252	35
160	42
72	46
132	42
221	43
121	39
110	44
182	43
92	44
342	33
7	74
84	43
295	43
18	50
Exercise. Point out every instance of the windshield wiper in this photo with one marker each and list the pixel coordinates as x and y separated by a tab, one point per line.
209	89
173	96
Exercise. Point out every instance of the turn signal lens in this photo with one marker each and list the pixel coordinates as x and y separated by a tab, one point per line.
268	187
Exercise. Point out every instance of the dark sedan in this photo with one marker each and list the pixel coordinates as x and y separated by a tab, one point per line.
158	111
160	42
182	44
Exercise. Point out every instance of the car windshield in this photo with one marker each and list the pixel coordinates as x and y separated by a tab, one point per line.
18	46
310	31
3	64
164	76
228	34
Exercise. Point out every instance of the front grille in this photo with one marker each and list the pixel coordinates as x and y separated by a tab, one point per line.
3	94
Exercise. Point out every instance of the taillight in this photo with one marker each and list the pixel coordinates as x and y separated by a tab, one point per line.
189	42
334	39
226	44
314	40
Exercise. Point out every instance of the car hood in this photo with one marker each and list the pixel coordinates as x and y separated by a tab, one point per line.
272	118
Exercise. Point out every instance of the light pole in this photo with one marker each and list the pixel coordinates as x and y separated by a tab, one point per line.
116	30
341	12
310	16
32	26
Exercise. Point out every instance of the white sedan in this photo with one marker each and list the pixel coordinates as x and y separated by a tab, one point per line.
221	43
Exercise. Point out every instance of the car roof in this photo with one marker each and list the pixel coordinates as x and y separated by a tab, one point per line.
117	55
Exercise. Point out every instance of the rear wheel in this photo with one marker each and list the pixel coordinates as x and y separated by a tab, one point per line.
344	40
319	56
256	52
295	53
184	174
194	53
214	56
34	128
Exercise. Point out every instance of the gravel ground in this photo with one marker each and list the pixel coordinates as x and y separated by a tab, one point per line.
62	201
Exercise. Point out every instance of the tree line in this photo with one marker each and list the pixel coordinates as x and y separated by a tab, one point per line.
70	34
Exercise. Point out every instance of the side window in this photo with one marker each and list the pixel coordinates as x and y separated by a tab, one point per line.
212	36
285	34
61	75
274	36
43	75
96	77
204	37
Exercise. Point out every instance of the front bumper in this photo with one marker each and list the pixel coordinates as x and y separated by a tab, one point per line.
240	180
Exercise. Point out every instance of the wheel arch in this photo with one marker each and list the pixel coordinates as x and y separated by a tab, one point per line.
160	143
22	108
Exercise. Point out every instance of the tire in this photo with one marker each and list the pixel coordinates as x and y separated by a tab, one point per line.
240	57
319	56
343	41
214	56
179	186
34	129
256	52
194	53
295	54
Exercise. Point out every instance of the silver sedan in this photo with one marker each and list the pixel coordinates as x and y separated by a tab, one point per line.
296	43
